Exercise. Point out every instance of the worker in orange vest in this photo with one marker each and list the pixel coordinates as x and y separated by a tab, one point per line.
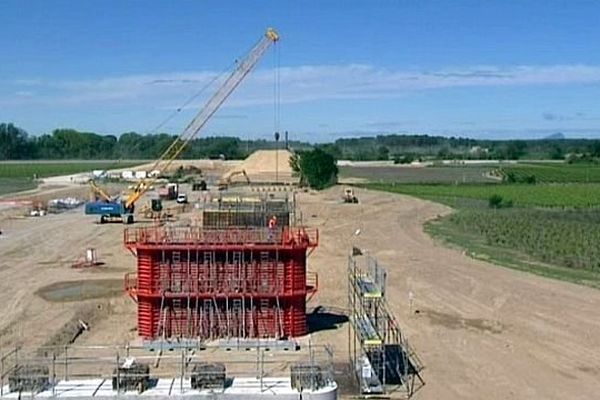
272	226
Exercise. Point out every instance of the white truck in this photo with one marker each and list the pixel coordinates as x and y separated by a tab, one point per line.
182	198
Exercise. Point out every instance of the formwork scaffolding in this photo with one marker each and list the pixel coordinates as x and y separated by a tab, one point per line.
382	359
221	283
248	210
107	372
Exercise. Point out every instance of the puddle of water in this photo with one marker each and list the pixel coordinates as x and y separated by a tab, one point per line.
81	290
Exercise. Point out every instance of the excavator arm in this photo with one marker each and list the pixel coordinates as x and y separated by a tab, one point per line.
226	181
231	83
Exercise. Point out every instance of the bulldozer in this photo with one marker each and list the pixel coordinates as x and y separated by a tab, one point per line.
349	196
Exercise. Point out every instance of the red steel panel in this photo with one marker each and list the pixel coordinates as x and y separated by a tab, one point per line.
219	283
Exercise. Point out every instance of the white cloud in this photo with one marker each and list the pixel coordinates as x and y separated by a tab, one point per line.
24	93
298	84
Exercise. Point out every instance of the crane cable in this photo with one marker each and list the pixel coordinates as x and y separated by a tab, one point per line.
174	113
228	70
192	98
276	89
179	144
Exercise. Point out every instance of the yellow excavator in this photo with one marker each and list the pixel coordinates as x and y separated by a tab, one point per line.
117	209
224	183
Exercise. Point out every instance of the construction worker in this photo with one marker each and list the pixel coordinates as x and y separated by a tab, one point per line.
272	226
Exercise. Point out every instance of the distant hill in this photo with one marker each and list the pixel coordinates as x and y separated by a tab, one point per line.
555	136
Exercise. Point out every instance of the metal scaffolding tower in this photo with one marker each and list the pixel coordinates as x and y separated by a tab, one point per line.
380	355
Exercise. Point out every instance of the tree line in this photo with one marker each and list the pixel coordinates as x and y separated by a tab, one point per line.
410	147
16	144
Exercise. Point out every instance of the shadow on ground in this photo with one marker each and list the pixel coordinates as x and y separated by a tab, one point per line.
325	318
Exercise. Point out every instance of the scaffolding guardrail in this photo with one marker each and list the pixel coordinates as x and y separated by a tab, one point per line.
197	236
116	370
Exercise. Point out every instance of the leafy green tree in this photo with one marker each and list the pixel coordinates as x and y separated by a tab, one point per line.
444	153
495	201
317	168
557	152
383	153
515	149
405	159
332	149
14	143
295	163
594	148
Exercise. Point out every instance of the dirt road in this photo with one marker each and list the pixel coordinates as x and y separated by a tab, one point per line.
482	331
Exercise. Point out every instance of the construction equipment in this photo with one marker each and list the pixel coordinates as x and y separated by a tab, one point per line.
124	209
154	210
169	192
38	209
157	212
156	205
182	198
208	376
98	193
90	260
196	186
131	376
226	181
349	196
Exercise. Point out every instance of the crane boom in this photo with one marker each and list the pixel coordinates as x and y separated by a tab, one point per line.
235	78
99	191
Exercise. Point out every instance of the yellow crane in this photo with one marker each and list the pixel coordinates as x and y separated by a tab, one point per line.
124	209
99	192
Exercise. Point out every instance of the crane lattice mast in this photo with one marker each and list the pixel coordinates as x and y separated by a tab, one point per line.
231	83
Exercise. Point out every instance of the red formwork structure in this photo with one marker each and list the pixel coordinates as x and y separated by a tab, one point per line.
228	283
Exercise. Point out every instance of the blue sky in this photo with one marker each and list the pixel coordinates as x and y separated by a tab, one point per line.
501	69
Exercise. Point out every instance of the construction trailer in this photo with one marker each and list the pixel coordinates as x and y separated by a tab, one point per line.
221	283
380	355
193	372
249	210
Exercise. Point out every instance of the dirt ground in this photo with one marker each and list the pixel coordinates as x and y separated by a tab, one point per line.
482	331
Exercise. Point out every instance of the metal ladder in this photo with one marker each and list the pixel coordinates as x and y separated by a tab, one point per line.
237	313
176	316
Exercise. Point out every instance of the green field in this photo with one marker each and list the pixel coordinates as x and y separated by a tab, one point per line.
576	195
12	185
554	172
553	229
505	244
44	169
16	176
404	174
